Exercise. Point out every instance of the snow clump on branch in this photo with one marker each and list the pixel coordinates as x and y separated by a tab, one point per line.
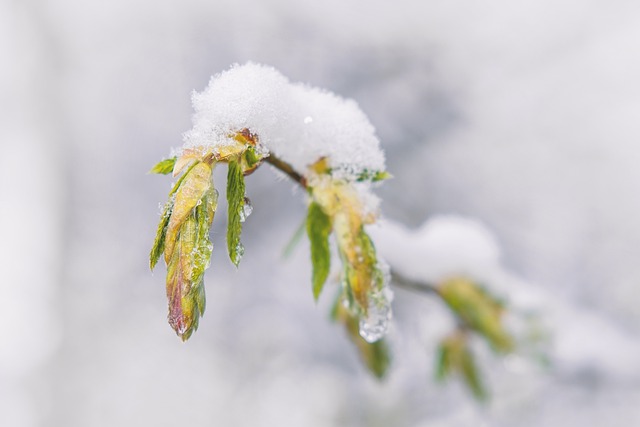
296	122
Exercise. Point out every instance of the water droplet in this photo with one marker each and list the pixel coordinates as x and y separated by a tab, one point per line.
308	120
374	325
246	210
239	254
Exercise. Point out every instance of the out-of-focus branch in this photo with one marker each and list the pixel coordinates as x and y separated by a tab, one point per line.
405	283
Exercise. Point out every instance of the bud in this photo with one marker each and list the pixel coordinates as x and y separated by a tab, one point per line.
183	237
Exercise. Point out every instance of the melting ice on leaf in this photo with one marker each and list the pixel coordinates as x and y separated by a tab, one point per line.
183	238
363	278
376	356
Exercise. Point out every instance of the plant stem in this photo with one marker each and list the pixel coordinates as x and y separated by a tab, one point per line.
285	167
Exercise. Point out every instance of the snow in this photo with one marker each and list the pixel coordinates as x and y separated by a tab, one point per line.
443	246
452	245
299	123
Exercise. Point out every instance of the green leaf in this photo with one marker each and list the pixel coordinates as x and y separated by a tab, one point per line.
381	176
164	167
443	362
318	230
478	310
377	357
158	244
235	200
252	158
373	176
455	356
471	376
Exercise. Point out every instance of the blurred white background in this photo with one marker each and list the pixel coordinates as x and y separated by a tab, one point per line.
522	115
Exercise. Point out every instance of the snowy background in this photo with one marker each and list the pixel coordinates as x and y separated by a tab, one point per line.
511	126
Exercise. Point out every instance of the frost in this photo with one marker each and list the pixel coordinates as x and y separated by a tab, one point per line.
247	208
297	122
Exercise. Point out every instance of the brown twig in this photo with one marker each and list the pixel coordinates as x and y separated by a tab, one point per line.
405	283
285	167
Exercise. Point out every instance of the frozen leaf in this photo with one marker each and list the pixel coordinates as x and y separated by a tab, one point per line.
374	323
204	214
376	356
158	244
195	183
184	303
318	230
164	167
235	199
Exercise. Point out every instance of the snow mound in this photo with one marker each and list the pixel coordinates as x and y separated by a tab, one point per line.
444	246
298	123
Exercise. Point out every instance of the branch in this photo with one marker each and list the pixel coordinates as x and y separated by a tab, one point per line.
405	283
285	167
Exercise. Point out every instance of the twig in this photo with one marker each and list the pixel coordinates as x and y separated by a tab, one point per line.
405	283
287	169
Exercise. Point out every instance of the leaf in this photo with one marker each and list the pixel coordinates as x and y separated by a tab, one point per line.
251	157
235	200
196	182
381	176
204	214
164	167
454	355
376	356
180	164
373	176
158	244
471	376
478	310
443	362
318	229
184	310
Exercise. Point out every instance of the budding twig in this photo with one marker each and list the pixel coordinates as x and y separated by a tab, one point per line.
396	278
